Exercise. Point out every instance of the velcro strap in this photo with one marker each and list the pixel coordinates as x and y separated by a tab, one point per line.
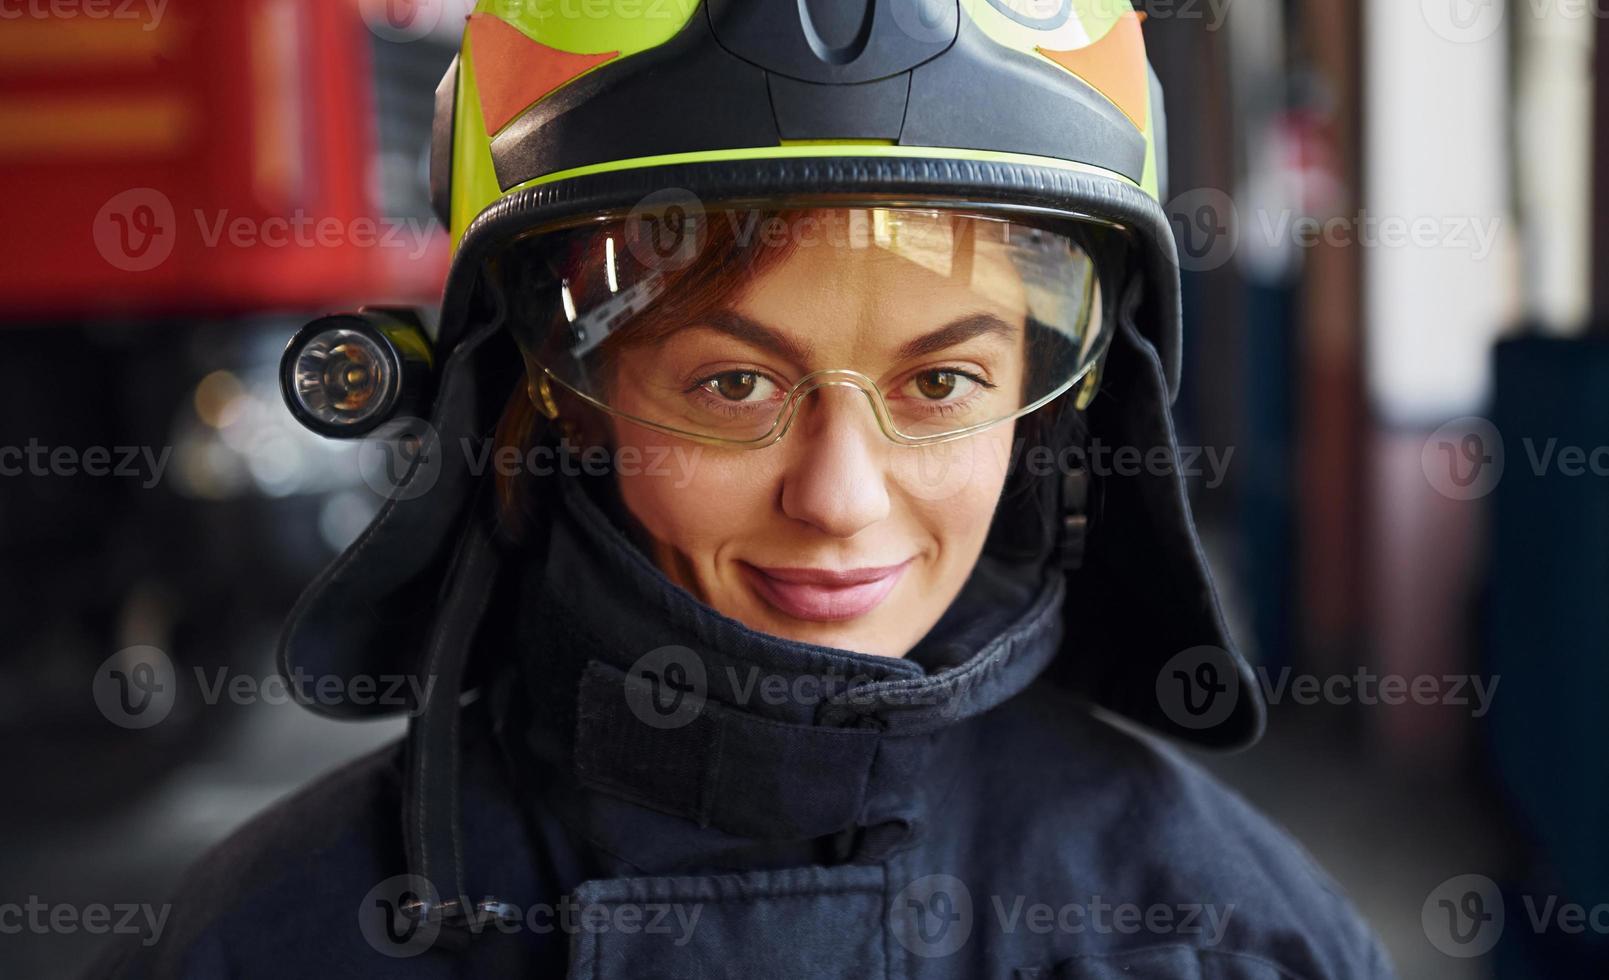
679	753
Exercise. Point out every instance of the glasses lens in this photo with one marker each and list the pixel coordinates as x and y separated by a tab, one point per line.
719	324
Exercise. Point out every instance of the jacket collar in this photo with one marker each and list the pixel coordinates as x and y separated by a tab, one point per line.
643	693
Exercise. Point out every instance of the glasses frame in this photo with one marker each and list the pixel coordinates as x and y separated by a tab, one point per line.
1047	219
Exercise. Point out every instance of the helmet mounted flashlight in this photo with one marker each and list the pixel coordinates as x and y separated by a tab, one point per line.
346	374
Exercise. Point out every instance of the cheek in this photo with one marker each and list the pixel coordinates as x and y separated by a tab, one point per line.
689	496
956	485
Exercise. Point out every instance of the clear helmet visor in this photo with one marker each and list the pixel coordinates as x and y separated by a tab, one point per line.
717	325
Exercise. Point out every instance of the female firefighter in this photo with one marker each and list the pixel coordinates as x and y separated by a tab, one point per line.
769	616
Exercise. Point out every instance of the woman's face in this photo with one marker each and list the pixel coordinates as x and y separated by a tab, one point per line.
835	535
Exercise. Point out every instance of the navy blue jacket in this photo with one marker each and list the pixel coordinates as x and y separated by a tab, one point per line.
651	790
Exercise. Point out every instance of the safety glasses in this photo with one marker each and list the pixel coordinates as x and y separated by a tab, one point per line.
717	326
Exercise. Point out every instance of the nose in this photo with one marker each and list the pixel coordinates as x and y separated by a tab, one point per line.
836	476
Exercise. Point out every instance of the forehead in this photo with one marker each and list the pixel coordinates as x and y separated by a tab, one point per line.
895	265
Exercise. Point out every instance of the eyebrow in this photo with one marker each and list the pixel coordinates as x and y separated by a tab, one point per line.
958	331
955	332
756	334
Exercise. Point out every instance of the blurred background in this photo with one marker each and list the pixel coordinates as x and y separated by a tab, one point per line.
1391	215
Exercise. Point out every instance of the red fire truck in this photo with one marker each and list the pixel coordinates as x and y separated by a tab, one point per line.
185	181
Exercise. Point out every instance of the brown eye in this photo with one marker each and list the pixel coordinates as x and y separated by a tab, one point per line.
734	385
937	384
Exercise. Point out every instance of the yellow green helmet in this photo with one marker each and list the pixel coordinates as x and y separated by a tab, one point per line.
546	91
559	108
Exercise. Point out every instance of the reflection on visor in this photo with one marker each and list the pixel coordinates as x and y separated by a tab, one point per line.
718	325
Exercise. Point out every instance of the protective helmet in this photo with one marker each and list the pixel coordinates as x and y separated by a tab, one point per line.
1042	114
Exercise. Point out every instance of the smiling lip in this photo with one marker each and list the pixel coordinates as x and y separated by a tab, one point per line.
822	594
